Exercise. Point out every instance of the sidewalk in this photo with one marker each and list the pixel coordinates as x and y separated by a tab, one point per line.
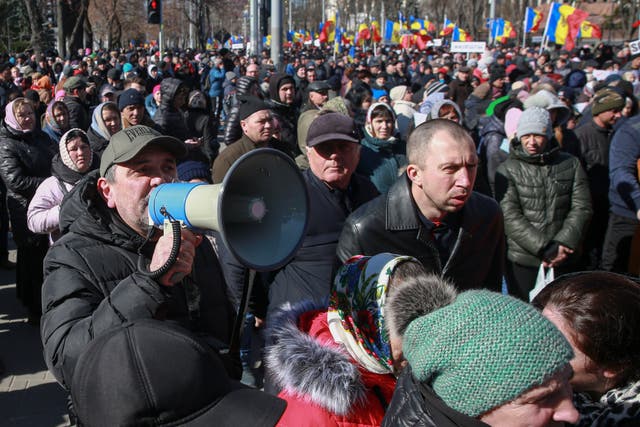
29	395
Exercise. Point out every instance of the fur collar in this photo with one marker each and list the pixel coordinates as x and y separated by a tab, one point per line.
309	369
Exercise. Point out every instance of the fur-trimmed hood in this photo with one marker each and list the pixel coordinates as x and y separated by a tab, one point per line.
312	366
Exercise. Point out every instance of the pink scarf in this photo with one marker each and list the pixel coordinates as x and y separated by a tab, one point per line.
10	118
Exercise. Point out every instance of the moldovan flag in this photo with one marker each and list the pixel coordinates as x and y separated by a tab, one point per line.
375	32
532	21
590	31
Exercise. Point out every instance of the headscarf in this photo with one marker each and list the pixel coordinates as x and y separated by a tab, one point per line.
356	309
10	117
97	123
64	152
369	128
49	118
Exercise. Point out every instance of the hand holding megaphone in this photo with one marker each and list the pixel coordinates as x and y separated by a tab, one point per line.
183	264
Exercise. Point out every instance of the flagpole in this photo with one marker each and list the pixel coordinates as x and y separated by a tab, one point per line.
545	34
524	27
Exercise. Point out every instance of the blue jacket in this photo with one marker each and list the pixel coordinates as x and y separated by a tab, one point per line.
381	160
216	78
624	189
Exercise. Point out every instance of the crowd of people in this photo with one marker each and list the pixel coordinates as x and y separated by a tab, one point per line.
446	191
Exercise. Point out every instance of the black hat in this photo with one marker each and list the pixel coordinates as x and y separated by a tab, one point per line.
332	127
318	86
247	105
155	373
5	66
114	74
130	97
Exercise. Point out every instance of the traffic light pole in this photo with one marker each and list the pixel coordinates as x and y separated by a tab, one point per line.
160	41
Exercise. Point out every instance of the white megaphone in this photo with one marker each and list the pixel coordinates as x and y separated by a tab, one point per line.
261	209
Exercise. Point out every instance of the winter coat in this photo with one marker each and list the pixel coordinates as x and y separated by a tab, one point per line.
381	160
216	78
43	215
595	142
459	91
322	384
150	105
78	113
391	223
490	149
404	111
168	119
545	199
92	284
416	405
308	276
624	189
25	162
232	129
200	124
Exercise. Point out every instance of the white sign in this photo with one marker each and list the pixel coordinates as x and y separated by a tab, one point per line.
468	47
635	47
536	39
237	46
437	42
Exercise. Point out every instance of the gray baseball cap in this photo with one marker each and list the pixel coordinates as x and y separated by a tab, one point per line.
127	143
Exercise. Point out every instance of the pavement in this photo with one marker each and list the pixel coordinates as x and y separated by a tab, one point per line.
29	394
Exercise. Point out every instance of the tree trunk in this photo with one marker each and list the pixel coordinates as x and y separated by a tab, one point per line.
35	20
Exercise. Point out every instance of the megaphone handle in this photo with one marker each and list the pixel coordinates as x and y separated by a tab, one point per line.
234	343
173	255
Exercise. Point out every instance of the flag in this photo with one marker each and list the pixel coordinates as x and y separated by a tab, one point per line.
497	28
352	53
406	41
590	31
505	31
375	32
209	45
554	20
532	20
564	24
328	32
574	18
363	33
448	28
459	35
388	30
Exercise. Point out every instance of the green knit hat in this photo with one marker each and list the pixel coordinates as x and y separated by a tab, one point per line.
483	350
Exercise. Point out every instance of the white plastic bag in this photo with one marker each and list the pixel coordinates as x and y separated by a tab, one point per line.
545	276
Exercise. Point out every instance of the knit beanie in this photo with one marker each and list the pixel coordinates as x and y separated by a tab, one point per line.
483	350
130	97
605	100
378	93
398	92
192	169
534	120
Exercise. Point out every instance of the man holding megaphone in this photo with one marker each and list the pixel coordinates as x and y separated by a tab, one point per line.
97	276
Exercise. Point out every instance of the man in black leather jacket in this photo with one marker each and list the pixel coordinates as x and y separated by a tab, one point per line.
432	213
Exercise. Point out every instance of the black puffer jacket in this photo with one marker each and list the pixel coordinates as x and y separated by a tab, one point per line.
390	223
416	405
545	199
285	115
491	135
594	153
92	283
25	161
245	86
171	121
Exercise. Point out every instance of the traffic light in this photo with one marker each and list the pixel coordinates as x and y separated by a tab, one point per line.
154	11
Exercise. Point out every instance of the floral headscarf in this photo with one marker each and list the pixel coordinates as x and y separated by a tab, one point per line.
49	118
356	309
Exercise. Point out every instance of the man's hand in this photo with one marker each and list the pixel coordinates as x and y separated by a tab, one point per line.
184	262
563	254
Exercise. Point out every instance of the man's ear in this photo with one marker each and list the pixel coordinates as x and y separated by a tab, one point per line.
415	174
105	189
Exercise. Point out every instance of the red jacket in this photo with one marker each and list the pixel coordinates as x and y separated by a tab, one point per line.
322	384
